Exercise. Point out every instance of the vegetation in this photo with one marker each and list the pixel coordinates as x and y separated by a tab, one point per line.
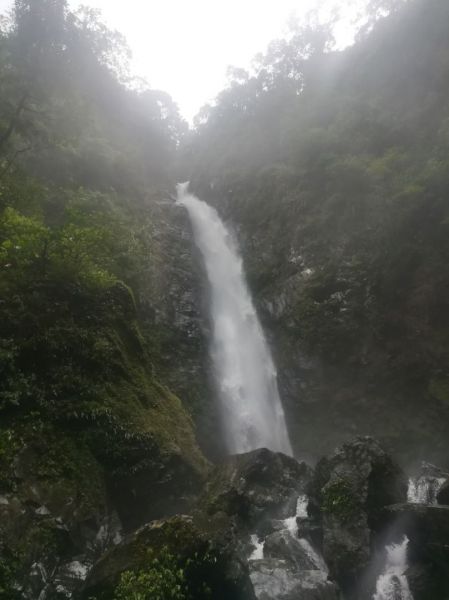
339	501
167	578
84	152
163	580
333	163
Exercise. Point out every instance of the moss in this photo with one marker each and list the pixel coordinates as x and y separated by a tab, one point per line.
9	445
9	568
338	500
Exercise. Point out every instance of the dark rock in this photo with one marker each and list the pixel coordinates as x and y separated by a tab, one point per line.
212	545
256	486
348	493
269	526
282	545
427	527
423	583
311	530
172	305
443	494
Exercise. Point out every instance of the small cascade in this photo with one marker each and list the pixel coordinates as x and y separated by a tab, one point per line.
291	523
257	553
424	489
392	584
286	564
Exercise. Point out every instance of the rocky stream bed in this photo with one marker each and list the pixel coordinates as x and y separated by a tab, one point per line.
265	526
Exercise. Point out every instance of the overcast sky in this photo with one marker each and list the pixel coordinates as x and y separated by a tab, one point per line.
184	46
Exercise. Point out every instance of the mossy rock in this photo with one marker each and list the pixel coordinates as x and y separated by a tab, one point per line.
94	434
208	557
54	505
339	501
348	494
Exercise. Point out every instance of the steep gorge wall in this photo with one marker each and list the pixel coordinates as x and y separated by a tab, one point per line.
173	308
344	368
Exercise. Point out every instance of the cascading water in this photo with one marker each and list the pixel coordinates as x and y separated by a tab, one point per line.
251	407
393	584
424	489
291	567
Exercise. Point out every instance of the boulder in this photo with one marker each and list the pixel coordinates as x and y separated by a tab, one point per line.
273	579
255	486
282	545
348	493
207	552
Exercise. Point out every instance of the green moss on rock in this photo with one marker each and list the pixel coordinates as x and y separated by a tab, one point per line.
338	500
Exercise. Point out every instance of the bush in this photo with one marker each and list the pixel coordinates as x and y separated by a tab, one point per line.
164	579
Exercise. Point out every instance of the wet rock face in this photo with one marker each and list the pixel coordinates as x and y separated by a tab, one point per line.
217	564
348	493
443	494
273	580
256	486
173	308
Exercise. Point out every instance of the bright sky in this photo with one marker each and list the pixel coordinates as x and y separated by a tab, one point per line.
185	46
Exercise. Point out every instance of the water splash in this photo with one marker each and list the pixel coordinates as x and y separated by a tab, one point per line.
291	523
251	408
393	584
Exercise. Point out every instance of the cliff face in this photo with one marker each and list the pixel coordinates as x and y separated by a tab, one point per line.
333	171
354	356
173	308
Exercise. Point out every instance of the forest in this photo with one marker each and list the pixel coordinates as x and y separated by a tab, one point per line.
306	264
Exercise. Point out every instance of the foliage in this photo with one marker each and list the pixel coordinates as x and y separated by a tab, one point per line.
84	153
8	568
162	580
167	577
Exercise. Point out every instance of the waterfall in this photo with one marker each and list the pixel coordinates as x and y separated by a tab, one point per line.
393	584
246	378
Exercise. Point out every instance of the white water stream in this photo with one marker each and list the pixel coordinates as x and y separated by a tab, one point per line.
393	584
251	408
